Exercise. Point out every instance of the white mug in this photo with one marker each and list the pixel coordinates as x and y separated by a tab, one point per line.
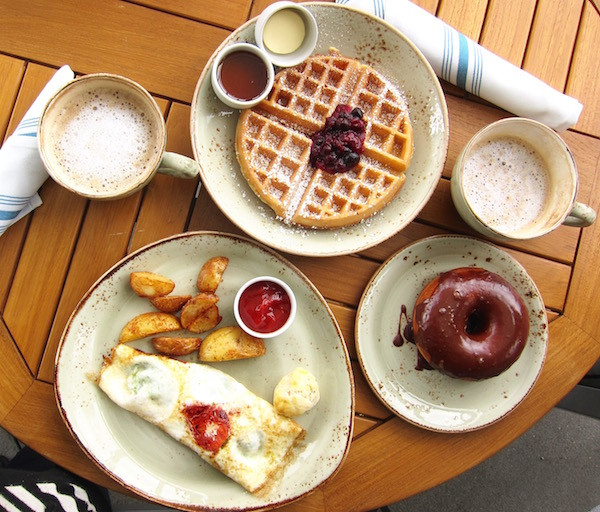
516	179
103	136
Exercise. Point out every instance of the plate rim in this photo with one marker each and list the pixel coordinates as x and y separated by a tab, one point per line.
372	385
205	74
198	507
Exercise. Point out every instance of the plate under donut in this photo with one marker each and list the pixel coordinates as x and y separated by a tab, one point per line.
428	398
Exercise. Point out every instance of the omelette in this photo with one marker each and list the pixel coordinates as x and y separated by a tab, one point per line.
205	409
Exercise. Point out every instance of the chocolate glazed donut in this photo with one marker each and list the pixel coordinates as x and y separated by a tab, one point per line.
470	323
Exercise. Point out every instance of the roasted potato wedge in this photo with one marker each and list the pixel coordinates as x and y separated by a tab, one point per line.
211	274
196	307
229	343
149	284
147	324
175	346
205	321
169	303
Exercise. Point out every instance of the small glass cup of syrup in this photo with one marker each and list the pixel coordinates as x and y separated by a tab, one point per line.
265	307
242	75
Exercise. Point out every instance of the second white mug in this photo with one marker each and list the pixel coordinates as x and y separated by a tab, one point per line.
517	179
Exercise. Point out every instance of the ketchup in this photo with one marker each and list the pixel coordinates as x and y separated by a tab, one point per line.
264	306
243	75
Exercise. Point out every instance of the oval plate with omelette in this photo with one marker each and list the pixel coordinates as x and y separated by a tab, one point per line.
145	459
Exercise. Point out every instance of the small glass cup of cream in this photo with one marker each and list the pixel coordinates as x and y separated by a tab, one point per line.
242	75
265	307
287	32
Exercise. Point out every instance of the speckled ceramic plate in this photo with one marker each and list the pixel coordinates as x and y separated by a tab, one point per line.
374	42
428	398
148	461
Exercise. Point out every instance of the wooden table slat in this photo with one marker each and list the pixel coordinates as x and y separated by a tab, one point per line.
42	268
583	81
582	302
167	200
209	11
362	425
429	5
12	71
466	18
13	370
345	318
506	28
347	291
551	42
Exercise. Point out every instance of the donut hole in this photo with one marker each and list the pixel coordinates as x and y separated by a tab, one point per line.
477	322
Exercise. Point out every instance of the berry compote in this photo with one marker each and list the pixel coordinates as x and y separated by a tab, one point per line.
338	145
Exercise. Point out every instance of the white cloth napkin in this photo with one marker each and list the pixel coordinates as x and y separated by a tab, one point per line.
462	62
21	169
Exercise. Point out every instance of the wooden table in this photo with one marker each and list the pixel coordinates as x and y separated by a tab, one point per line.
51	257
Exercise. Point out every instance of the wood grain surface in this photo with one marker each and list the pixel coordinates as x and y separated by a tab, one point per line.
52	256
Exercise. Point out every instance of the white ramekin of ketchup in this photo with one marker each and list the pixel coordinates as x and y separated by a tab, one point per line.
242	75
265	307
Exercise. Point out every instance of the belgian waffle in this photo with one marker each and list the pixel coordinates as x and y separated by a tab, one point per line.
273	143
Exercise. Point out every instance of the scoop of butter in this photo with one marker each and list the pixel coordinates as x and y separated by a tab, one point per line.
296	393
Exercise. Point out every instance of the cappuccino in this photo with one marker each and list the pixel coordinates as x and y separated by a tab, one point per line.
516	179
507	184
104	141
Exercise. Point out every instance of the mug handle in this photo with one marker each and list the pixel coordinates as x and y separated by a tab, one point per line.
179	166
581	216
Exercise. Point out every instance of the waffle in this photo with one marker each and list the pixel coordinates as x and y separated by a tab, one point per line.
273	143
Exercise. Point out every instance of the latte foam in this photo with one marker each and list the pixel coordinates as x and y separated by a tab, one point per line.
104	142
507	184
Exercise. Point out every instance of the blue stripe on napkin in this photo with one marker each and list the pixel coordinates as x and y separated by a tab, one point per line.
8	215
447	55
478	71
14	206
18	200
25	127
463	61
28	122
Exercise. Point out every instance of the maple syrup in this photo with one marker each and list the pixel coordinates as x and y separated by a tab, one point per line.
243	75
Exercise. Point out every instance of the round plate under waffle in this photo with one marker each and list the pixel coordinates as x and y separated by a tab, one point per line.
373	42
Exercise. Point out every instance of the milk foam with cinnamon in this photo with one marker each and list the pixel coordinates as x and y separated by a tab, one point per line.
506	183
104	141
